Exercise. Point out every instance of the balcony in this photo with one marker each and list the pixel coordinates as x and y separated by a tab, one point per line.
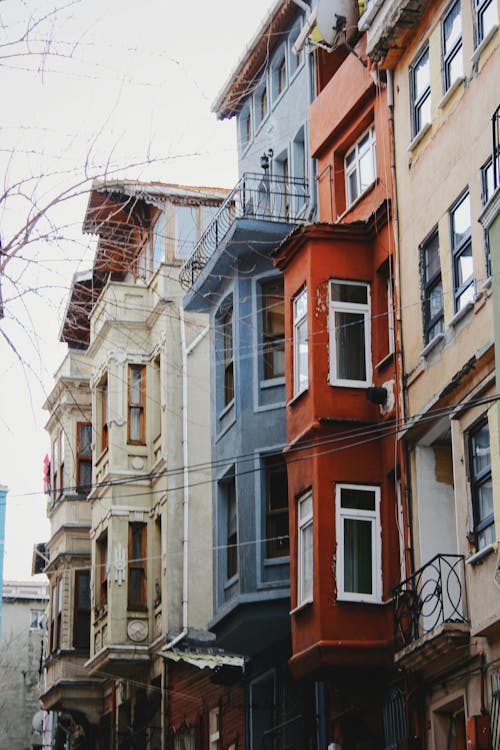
261	207
431	617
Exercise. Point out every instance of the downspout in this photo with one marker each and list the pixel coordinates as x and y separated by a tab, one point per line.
397	284
185	351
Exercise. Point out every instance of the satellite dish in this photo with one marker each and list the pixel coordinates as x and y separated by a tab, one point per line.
336	16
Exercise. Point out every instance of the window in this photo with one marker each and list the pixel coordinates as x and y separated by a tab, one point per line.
279	76
295	60
102	570
487	181
391	334
420	91
273	328
300	344
84	456
185	739
245	128
186	225
486	18
350	358
56	603
159	236
432	288
57	465
103	403
451	28
36	619
137	566
360	166
481	486
227	334
231	528
358	542
305	549
262	711
136	403
463	276
81	621
277	539
261	104
214	730
299	170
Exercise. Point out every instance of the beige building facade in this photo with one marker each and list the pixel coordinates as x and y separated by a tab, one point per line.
441	62
130	496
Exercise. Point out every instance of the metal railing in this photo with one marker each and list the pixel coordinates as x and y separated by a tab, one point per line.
256	196
433	595
495	126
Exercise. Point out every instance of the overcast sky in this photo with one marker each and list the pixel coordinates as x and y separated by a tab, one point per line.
126	85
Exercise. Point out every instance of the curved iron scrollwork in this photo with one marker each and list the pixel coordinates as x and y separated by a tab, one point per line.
433	595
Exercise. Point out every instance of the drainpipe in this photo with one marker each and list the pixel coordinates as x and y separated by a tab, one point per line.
397	284
185	351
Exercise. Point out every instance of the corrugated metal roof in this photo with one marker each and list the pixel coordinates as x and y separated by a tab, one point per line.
203	659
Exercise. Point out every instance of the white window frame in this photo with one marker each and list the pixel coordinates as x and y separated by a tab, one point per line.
454	51
354	167
343	514
419	99
304	526
480	8
300	320
350	307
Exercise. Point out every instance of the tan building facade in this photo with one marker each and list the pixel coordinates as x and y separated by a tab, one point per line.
442	66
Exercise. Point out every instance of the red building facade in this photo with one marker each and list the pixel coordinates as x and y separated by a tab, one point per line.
346	532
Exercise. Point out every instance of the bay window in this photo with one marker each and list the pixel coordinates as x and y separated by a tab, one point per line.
358	542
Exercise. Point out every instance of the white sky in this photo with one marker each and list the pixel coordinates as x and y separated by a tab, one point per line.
127	83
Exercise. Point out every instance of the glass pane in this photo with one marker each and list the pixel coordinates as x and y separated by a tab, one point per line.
353	293
423	113
435	330
302	356
135	578
460	220
306	562
421	75
466	297
486	536
85	473
352	187
187	229
350	346
452	28
84	591
159	235
463	266
366	170
357	498
435	301
305	507
455	67
350	158
135	423
301	305
136	542
85	439
135	385
484	501
358	556
488	18
431	257
480	449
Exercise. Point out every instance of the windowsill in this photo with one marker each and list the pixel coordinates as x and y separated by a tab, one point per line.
360	197
350	384
420	135
294	400
272	382
269	562
484	43
301	607
358	600
448	94
461	314
432	345
481	554
385	361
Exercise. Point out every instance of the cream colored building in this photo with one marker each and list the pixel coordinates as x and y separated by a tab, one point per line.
441	64
139	532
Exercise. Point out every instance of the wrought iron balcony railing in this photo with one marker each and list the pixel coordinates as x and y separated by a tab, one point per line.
495	124
433	595
256	196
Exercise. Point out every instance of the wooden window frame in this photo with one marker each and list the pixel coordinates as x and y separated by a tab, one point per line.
139	406
137	565
276	544
80	611
82	457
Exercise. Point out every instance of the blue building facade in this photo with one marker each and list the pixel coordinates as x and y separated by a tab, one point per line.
231	277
